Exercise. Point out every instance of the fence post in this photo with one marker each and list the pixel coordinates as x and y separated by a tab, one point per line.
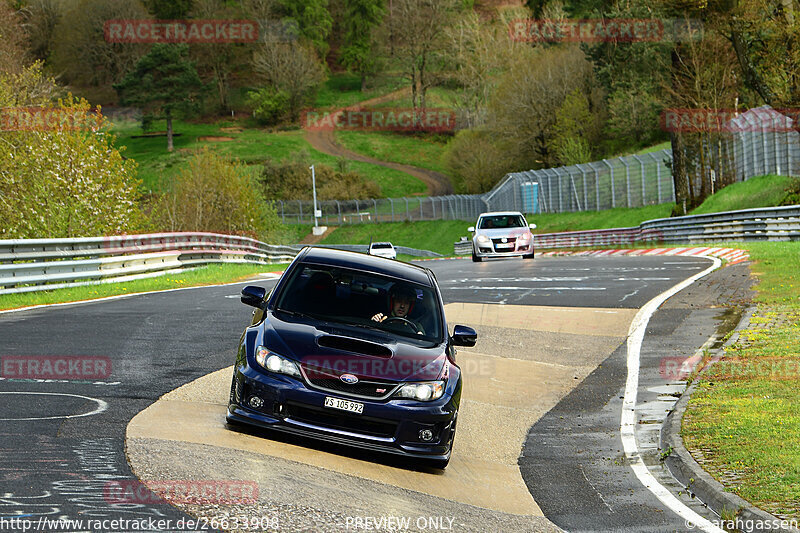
574	190
560	195
613	192
283	214
641	171
300	220
375	209
658	176
585	194
596	188
408	214
339	211
420	208
627	178
392	203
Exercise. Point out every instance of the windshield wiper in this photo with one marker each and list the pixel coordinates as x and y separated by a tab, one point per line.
297	314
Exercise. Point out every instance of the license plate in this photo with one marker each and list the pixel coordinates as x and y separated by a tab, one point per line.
344	405
509	245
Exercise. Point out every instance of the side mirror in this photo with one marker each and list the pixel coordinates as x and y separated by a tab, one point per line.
532	226
254	296
471	229
464	336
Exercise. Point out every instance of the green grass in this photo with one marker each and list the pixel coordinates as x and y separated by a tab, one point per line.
206	275
344	89
420	150
761	191
435	235
157	167
619	217
745	413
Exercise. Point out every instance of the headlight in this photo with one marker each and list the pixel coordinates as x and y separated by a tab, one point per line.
425	391
276	363
483	238
525	237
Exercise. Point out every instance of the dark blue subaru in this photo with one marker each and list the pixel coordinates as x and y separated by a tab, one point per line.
352	349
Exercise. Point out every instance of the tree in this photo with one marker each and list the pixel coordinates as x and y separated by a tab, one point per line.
416	34
40	20
360	20
62	181
476	162
169	9
12	44
523	109
217	194
574	130
81	54
312	18
289	67
164	82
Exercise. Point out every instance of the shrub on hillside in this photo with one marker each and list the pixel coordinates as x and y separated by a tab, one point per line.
62	179
291	180
219	195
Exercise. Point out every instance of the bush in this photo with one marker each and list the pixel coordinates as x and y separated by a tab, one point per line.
270	106
219	195
291	180
476	162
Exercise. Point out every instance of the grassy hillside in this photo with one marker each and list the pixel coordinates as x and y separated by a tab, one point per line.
761	191
157	167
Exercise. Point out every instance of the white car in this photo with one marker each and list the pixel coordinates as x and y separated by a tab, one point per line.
502	234
383	249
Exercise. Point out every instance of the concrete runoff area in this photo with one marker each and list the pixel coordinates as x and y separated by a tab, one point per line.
509	383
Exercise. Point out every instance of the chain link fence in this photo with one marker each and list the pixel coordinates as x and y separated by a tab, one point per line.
758	142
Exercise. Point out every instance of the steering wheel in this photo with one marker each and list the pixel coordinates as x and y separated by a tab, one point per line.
404	322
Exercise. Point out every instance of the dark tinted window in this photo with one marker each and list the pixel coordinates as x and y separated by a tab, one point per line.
502	221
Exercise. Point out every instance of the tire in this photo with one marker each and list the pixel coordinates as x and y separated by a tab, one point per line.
529	256
475	258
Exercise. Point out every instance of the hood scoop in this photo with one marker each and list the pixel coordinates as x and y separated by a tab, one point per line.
349	344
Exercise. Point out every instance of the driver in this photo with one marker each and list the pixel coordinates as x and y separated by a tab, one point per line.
401	302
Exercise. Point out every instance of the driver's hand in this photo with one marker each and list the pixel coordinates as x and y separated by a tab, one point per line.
379	317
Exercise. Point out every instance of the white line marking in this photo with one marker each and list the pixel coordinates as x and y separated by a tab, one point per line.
628	418
101	405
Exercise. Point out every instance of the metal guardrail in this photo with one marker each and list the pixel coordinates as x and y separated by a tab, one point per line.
28	265
762	224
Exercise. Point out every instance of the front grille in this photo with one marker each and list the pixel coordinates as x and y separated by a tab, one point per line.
509	240
367	388
343	422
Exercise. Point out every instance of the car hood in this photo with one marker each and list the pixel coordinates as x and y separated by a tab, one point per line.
497	233
341	349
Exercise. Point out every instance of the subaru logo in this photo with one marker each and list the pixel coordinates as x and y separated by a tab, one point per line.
350	379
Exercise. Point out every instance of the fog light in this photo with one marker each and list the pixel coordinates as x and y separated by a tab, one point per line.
426	435
256	402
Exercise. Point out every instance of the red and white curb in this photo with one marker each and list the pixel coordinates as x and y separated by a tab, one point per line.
731	255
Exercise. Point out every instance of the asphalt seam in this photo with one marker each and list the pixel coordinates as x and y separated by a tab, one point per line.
697	481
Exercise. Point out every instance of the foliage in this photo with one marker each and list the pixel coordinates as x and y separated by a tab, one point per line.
12	44
313	19
81	55
289	67
214	193
291	180
269	105
574	129
164	82
169	9
64	181
475	161
40	20
358	52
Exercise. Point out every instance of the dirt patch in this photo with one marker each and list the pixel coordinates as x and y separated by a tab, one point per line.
215	139
232	129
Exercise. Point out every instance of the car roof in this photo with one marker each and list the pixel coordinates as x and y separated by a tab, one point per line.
499	213
382	243
370	263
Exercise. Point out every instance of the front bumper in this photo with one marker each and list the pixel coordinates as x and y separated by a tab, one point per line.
391	426
489	250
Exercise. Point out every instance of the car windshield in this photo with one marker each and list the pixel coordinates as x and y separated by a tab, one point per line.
354	297
381	245
501	221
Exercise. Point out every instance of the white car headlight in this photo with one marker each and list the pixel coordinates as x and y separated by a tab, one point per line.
483	239
276	363
424	391
525	237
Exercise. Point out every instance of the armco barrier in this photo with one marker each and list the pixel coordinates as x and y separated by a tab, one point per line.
762	224
28	265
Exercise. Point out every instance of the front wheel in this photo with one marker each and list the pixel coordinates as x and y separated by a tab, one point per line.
529	256
475	258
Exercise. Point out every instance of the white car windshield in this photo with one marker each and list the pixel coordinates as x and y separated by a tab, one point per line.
501	221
